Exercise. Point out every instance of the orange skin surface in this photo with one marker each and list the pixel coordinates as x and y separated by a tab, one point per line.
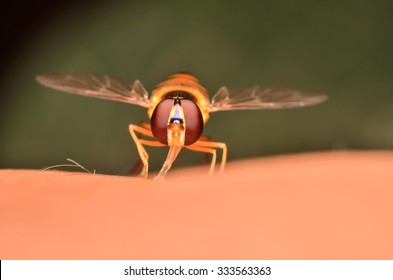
327	205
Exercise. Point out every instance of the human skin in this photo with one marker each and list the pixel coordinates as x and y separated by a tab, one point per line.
327	205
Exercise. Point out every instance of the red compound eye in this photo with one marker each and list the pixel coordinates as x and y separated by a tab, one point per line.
193	120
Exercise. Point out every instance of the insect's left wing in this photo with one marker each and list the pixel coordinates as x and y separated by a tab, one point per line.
258	97
104	87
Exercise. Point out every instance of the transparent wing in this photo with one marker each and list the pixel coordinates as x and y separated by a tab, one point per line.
103	87
258	97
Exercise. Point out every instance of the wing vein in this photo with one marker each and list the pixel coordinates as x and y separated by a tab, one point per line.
103	87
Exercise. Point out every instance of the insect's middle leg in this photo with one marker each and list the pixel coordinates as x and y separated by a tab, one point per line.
206	150
139	164
139	142
208	146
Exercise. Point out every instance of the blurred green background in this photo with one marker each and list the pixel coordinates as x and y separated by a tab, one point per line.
341	48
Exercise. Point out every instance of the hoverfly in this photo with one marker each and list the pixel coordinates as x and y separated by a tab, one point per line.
178	109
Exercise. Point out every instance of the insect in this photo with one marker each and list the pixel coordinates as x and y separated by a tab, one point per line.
178	109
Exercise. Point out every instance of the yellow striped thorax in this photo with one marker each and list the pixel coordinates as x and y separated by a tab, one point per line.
181	85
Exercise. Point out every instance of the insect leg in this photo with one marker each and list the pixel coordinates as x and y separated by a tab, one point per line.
145	125
214	145
172	154
206	158
138	165
139	145
206	150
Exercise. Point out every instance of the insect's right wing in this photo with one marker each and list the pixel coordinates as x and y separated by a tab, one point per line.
259	97
103	87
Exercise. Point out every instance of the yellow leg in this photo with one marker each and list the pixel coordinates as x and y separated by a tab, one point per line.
172	154
209	147
206	150
139	145
202	145
145	125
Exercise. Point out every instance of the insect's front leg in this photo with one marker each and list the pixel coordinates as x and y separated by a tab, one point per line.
172	154
207	146
206	150
139	145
